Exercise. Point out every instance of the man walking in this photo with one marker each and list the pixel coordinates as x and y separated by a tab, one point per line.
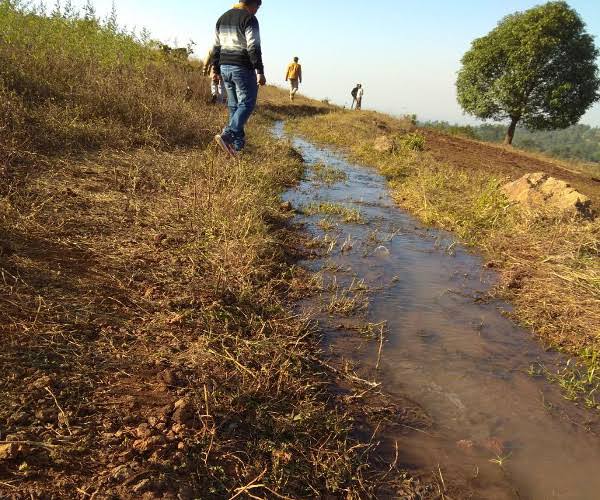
238	61
359	97
354	93
294	76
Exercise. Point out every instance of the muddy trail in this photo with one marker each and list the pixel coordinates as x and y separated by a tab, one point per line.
497	430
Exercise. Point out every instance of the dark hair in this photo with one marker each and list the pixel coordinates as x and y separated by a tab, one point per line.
258	3
295	59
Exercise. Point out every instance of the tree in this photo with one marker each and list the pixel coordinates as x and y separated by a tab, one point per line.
536	67
89	11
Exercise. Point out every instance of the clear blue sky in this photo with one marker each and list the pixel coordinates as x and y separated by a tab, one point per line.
405	53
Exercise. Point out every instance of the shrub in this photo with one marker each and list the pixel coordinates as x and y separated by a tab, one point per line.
413	141
69	83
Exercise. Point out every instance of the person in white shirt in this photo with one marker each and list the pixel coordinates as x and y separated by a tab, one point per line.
359	96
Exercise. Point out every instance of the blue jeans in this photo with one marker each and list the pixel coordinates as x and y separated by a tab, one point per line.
242	92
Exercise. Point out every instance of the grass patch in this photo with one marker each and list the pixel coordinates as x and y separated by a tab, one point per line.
326	224
580	378
347	303
327	174
348	215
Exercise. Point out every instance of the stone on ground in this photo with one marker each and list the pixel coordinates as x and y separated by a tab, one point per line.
540	191
384	144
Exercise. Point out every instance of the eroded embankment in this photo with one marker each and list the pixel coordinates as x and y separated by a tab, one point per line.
404	305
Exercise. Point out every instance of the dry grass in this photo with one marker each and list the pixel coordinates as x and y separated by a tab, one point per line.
138	284
550	266
146	288
69	84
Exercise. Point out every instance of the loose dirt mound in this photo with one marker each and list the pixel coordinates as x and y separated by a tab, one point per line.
474	155
540	191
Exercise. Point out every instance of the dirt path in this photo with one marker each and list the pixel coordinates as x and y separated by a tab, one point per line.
407	299
469	154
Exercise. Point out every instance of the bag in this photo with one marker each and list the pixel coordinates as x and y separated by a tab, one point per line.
354	92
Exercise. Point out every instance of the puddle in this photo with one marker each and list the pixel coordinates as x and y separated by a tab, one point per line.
460	359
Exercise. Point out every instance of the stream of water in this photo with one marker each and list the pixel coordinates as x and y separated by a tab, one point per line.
460	359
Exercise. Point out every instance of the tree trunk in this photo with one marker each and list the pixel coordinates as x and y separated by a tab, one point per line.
510	134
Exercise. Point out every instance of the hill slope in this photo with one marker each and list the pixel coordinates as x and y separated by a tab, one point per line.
149	343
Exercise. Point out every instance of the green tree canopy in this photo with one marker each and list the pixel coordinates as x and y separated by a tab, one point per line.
536	67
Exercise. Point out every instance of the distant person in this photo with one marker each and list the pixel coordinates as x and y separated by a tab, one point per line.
294	76
217	86
238	61
359	97
354	94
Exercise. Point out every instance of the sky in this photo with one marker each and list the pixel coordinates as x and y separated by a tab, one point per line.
405	53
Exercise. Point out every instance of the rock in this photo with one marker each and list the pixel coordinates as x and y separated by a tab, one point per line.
141	445
143	431
466	445
540	191
384	144
184	412
43	382
9	451
286	207
178	429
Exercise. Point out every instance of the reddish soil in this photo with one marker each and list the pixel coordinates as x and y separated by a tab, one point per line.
470	154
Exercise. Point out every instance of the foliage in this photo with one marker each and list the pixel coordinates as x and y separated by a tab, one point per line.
453	129
537	67
413	142
578	142
72	83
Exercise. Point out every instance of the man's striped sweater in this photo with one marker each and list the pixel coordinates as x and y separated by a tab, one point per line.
238	41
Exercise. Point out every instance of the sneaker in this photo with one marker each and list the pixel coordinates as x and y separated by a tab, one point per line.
225	146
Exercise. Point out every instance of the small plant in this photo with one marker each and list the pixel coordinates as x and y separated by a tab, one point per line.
348	215
372	330
413	141
347	303
580	380
535	370
327	224
328	175
500	460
